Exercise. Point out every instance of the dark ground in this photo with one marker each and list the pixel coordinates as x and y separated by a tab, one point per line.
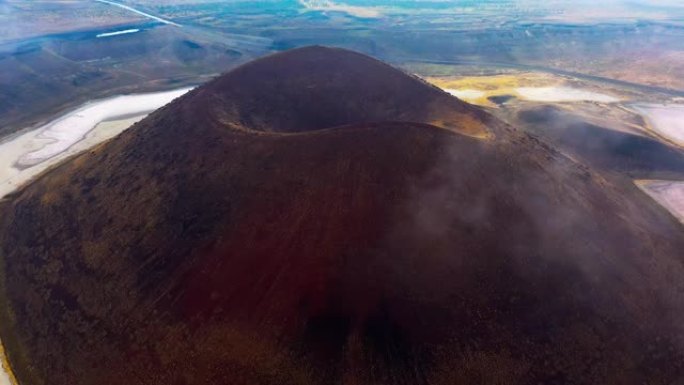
326	233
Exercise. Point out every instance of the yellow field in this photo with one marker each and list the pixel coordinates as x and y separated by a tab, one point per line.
497	85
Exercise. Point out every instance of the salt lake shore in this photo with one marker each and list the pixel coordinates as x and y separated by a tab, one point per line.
665	119
24	157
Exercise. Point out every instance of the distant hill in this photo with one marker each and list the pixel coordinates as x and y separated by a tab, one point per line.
318	217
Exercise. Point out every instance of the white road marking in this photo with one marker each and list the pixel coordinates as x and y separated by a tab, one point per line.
117	33
126	7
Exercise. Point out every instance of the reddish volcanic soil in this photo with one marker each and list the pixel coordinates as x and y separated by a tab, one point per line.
317	217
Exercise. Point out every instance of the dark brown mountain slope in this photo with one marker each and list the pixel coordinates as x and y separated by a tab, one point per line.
310	91
237	237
